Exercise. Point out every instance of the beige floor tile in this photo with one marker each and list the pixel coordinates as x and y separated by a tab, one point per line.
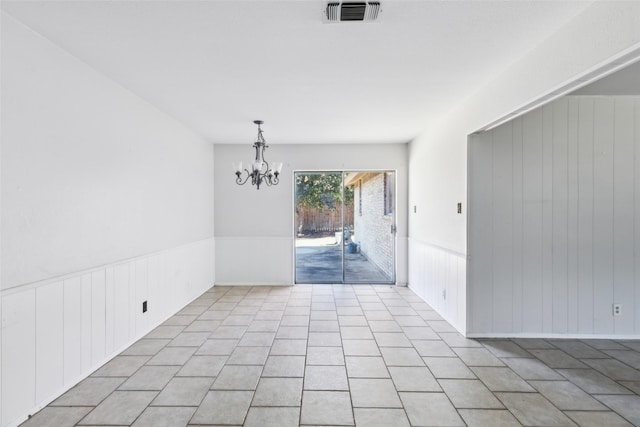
413	378
289	347
217	347
366	367
57	417
272	417
223	408
384	326
593	382
501	379
165	332
567	396
448	367
292	332
356	333
248	356
121	407
172	356
626	406
472	356
202	366
488	417
324	326
325	339
360	348
532	409
380	417
257	339
420	333
469	394
223	332
183	391
325	378
392	339
325	356
232	377
294	321
505	348
146	347
237	319
203	326
150	378
555	358
89	392
430	409
122	366
373	393
155	416
264	326
395	356
284	366
326	408
323	315
189	339
597	419
352	321
531	369
614	369
278	392
430	348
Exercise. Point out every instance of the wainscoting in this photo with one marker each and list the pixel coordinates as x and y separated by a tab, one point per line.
438	276
65	328
554	222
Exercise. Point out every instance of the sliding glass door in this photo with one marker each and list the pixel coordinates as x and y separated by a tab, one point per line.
345	227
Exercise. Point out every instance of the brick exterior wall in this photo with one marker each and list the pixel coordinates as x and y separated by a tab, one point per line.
372	229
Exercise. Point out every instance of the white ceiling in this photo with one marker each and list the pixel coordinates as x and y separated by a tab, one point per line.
218	65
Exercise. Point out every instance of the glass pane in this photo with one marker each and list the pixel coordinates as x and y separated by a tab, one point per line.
369	241
318	222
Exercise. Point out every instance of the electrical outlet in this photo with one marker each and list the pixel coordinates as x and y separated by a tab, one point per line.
415	209
617	309
444	294
459	208
144	306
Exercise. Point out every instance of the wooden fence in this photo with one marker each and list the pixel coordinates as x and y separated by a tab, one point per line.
314	220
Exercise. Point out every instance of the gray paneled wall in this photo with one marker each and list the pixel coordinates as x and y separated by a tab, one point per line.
554	221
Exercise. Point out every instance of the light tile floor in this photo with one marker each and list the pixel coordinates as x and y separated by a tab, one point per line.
347	355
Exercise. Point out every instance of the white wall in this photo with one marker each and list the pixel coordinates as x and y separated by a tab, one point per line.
254	228
106	202
605	34
554	206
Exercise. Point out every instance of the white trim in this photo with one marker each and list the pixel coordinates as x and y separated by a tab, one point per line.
554	336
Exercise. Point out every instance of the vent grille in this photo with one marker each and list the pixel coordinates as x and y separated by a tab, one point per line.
352	11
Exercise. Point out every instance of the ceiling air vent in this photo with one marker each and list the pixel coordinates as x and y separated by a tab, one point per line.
352	11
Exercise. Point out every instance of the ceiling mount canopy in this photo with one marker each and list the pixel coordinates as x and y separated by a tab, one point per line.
260	169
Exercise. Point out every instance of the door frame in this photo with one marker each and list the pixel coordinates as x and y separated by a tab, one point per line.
393	280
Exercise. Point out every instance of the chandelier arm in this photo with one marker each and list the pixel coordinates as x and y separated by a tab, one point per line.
241	181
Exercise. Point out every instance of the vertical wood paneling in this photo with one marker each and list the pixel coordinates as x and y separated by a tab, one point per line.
109	310
547	218
132	304
481	213
636	224
54	333
603	215
502	209
623	205
98	317
49	340
18	367
517	224
532	222
121	302
560	216
585	215
572	216
72	319
573	205
142	293
86	323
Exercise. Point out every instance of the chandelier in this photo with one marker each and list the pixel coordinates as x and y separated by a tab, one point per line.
260	170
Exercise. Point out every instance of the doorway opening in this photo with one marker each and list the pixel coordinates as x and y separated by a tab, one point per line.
344	227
